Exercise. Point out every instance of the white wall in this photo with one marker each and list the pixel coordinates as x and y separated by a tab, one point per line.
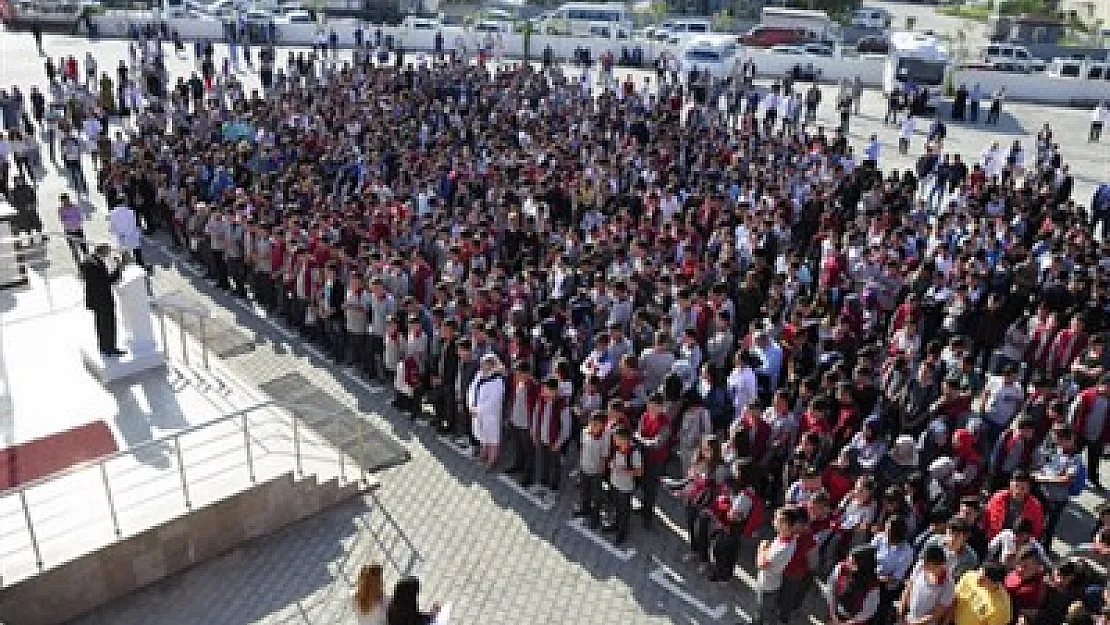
1036	87
1024	87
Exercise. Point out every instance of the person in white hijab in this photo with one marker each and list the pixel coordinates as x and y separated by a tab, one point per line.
485	400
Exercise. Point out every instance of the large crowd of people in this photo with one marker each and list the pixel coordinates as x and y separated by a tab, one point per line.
893	382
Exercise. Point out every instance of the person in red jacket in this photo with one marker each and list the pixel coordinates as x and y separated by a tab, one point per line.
1090	418
1016	502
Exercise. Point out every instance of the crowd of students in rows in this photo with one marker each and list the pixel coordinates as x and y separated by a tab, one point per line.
896	373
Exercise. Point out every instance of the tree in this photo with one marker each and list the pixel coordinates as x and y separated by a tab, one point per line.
837	9
526	30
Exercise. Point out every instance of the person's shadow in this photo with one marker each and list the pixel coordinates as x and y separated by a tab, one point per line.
136	422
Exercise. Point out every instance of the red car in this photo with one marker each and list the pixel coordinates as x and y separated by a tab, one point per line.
767	36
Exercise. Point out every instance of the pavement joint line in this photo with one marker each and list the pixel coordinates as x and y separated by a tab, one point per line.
579	525
661	577
543	504
355	378
462	450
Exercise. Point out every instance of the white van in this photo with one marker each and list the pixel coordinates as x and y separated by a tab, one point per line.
682	29
716	56
868	17
1009	57
579	18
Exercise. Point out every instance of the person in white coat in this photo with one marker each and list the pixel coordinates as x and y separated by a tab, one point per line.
125	230
485	399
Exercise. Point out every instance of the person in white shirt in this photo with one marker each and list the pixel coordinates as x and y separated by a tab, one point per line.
905	133
742	384
125	230
930	592
1099	115
771	558
484	400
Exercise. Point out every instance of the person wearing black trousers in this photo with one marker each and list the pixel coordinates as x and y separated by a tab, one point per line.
99	277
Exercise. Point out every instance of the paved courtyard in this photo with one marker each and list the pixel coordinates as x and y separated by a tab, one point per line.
484	548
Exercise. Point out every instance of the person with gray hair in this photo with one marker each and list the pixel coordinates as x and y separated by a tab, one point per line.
485	400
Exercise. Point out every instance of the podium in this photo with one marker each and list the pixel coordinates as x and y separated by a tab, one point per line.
136	330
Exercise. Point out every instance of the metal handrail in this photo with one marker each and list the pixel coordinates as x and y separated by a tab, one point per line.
241	421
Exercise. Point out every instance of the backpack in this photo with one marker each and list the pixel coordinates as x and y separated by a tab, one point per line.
1079	481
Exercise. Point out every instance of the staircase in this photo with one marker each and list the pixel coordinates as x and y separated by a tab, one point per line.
97	531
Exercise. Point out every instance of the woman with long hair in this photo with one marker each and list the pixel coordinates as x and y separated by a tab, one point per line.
853	588
370	600
404	609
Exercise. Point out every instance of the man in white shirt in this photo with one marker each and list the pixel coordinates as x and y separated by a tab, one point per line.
771	558
929	593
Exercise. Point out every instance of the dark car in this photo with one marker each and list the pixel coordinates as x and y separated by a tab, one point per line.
873	44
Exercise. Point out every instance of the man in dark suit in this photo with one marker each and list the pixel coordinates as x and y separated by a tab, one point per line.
98	297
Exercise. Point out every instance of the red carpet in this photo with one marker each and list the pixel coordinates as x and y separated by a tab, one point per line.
29	461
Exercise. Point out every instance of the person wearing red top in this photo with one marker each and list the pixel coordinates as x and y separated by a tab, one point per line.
1016	502
1091	408
1066	347
653	434
798	574
1025	583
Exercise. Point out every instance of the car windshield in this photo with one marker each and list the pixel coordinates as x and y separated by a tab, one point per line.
703	55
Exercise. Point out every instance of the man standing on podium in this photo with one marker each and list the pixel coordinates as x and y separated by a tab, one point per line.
100	272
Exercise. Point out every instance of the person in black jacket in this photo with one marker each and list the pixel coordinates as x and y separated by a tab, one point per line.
99	278
404	607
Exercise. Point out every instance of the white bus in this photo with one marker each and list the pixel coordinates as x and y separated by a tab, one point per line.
580	18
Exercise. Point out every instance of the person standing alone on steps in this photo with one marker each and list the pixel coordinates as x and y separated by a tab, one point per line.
99	273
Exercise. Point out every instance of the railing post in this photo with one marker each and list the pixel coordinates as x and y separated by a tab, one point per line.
162	327
111	500
181	328
203	342
342	466
247	446
31	529
181	471
297	445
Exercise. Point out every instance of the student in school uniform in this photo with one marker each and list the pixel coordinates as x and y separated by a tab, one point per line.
625	465
593	452
551	426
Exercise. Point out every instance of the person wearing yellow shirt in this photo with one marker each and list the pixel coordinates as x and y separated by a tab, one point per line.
981	598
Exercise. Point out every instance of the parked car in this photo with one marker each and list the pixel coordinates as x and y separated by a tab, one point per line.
790	48
769	36
872	44
493	26
1011	57
818	49
870	17
295	16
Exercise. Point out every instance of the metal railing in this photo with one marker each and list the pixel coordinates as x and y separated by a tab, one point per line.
49	521
176	306
34	254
